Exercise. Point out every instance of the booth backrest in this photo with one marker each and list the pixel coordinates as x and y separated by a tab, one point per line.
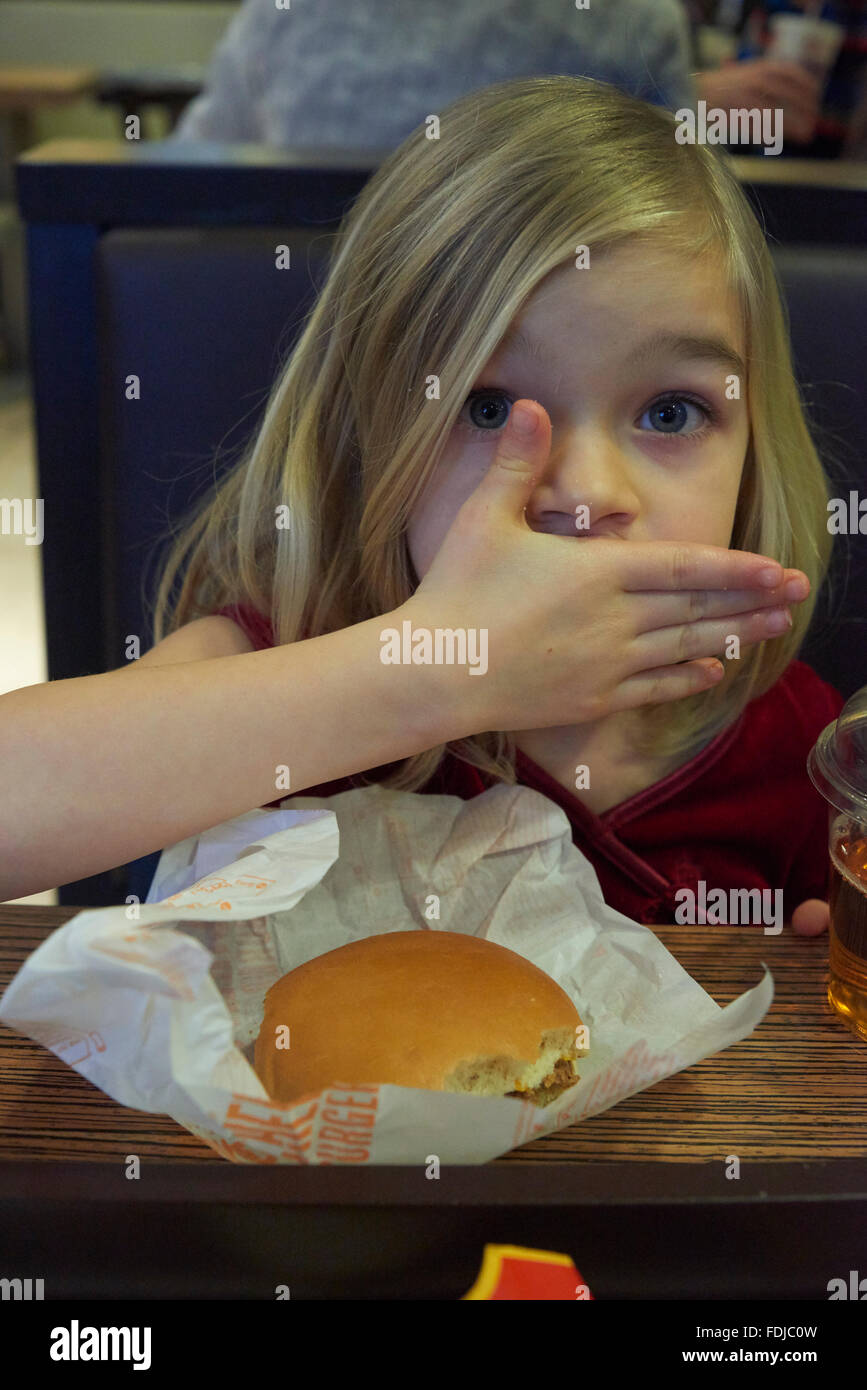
206	353
825	290
215	334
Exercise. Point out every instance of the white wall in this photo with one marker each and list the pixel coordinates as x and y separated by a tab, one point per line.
102	33
150	31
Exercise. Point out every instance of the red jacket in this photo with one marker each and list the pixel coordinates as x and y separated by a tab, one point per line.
742	813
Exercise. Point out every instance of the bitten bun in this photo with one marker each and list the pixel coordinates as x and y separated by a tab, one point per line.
437	1010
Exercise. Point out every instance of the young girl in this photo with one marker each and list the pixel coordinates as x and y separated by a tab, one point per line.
555	246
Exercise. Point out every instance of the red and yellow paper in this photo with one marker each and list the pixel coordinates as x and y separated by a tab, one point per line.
514	1272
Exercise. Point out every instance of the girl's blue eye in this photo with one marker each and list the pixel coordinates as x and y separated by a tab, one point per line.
671	415
487	412
676	414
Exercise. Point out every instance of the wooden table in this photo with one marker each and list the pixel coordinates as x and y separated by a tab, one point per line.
25	90
796	1088
639	1197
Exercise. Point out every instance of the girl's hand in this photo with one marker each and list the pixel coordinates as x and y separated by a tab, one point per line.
811	918
764	82
578	628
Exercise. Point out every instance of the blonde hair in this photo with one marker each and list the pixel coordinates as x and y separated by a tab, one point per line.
436	257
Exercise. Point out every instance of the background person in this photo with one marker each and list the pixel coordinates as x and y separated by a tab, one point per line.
364	75
840	123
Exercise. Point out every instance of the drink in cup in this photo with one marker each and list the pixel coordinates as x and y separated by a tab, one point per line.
801	38
847	985
837	765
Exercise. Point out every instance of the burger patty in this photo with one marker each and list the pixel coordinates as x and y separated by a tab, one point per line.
551	1086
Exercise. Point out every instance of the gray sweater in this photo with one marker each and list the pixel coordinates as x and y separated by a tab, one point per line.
364	73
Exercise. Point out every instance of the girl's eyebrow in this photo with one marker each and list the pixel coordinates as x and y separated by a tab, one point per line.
516	339
676	345
686	346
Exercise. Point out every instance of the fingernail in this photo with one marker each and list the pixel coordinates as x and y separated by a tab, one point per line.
777	620
771	576
523	421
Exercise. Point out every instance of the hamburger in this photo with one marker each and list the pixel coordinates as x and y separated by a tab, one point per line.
436	1010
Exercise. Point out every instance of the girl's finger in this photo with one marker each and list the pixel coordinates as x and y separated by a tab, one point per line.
665	565
666	683
691	641
668	609
811	918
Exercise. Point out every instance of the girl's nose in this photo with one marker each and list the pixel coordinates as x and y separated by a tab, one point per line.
588	481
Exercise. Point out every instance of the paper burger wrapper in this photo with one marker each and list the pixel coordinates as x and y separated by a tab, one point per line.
159	1004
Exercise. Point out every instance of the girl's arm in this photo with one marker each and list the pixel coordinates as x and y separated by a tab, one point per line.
100	770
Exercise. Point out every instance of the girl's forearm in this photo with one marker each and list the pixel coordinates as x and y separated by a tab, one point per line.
100	770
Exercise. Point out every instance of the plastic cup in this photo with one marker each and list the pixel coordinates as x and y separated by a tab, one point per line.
814	43
837	765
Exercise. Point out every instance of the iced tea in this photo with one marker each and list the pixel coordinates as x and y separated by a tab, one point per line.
847	986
